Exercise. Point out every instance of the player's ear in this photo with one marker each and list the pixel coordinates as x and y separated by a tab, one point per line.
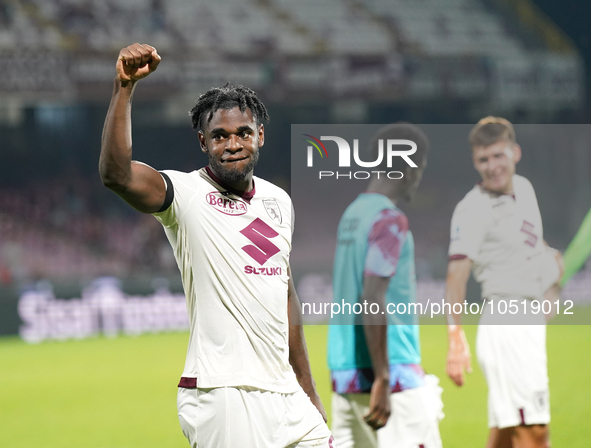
516	153
261	132
202	141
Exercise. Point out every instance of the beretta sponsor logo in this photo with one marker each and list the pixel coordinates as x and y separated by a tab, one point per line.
225	205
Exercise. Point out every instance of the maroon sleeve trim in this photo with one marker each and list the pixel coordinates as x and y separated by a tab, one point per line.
169	196
457	257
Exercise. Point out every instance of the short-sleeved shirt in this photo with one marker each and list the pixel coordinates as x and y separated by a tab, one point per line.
233	255
503	236
374	240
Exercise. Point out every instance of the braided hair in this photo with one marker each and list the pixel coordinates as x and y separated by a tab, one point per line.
226	97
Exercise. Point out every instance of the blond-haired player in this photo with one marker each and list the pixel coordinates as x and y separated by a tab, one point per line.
496	232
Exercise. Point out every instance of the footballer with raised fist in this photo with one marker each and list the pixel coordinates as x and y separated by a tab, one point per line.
247	380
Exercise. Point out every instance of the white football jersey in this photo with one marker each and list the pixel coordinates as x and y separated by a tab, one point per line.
503	236
233	254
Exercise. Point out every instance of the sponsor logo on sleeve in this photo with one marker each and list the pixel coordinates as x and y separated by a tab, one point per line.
455	234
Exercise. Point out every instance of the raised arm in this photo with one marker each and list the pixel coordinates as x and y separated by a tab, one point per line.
376	337
138	184
458	354
298	353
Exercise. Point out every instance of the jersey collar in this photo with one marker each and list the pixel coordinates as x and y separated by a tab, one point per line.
512	194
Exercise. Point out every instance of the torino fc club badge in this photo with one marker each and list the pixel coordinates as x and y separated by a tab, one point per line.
272	209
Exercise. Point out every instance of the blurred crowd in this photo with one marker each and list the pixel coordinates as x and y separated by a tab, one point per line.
57	229
304	27
73	228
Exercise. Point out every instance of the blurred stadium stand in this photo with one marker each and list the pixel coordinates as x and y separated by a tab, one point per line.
314	61
486	52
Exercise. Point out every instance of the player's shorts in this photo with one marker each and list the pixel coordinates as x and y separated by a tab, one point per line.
413	422
513	360
245	417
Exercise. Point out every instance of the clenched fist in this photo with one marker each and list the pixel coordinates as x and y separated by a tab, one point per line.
136	62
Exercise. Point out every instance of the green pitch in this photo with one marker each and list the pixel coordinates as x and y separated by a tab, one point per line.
121	393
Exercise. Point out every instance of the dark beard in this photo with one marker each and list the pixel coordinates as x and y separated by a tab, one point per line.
231	176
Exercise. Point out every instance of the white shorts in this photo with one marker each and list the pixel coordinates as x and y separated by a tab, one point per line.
230	417
414	421
513	360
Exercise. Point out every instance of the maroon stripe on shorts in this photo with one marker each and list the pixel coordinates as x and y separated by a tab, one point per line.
188	383
522	416
457	257
421	446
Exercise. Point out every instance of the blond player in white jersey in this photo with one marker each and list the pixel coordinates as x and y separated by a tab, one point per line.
496	231
247	380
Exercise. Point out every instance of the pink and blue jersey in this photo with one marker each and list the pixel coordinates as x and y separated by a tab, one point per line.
374	240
